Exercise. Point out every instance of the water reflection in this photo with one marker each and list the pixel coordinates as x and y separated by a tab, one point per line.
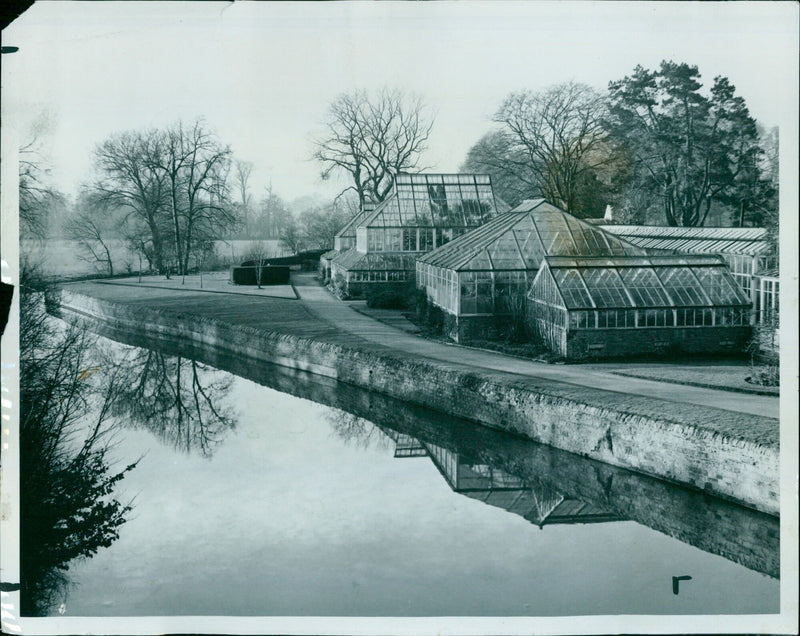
357	431
176	399
542	484
538	503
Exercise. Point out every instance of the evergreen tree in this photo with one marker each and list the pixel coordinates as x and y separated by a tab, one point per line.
689	150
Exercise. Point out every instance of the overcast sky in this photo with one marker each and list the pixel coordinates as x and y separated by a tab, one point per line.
262	74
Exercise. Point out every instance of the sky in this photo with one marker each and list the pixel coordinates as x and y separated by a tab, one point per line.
262	74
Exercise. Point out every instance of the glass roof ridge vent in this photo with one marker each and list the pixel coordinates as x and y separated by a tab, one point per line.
728	233
653	260
526	205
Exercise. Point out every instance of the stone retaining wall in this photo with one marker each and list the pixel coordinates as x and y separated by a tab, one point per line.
645	440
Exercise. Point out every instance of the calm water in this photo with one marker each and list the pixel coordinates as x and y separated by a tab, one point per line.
251	501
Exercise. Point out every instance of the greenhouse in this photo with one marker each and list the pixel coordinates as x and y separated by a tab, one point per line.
623	306
421	212
343	241
482	277
358	271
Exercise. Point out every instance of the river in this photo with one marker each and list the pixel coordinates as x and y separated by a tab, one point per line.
324	500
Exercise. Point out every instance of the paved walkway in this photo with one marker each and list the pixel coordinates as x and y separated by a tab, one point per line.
323	305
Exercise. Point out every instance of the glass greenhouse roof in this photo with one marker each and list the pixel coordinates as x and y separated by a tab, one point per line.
707	240
657	281
435	200
521	238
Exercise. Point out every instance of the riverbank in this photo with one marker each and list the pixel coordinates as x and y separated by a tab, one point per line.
684	437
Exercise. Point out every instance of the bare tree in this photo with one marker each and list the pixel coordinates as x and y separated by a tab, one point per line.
176	399
68	506
259	251
242	172
131	179
194	165
91	226
321	223
291	234
498	155
560	132
36	195
372	139
173	186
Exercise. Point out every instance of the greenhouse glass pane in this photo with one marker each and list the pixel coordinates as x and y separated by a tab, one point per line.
606	287
393	240
572	288
682	286
644	287
480	261
555	236
577	230
407	213
595	239
469	191
718	286
472	212
410	239
390	215
619	248
485	298
423	210
453	195
505	254
421	191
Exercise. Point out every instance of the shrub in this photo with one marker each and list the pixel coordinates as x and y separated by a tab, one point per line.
431	316
387	299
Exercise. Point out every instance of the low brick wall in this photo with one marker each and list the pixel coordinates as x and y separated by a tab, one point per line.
633	433
606	343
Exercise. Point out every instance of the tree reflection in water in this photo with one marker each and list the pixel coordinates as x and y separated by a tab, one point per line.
67	504
176	399
357	431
